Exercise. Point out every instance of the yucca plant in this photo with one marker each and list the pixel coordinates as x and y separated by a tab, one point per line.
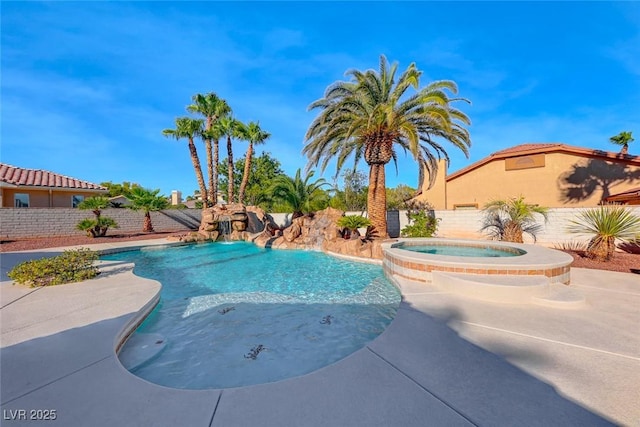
352	223
509	219
606	224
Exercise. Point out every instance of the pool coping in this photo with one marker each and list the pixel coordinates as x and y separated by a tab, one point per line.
314	399
536	261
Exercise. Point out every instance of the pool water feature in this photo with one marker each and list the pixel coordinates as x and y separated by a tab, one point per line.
234	314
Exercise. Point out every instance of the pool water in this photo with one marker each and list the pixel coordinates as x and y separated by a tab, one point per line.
234	314
465	251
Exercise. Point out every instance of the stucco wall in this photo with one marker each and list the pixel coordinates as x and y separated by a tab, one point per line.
566	180
46	222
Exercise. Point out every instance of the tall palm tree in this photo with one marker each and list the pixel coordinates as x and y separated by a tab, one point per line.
148	201
230	128
190	128
508	219
623	139
373	114
300	194
255	136
212	108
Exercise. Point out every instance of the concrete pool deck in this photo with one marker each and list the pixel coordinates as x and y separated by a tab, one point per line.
444	360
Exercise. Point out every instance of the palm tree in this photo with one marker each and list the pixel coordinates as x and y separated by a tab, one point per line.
230	128
606	223
147	201
212	108
99	226
508	219
300	194
372	114
190	128
255	136
623	139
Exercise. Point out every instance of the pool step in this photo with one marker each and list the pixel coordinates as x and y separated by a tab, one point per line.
561	296
510	289
141	348
494	288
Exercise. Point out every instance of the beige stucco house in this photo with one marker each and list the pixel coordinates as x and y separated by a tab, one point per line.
35	188
550	174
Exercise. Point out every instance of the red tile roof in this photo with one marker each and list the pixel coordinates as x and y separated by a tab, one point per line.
40	178
535	148
632	194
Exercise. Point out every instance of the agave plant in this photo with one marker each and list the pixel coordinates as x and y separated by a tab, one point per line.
606	224
509	219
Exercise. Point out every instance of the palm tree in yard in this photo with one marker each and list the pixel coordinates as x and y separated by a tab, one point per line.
212	108
254	135
373	114
623	139
230	128
298	193
190	128
508	219
148	201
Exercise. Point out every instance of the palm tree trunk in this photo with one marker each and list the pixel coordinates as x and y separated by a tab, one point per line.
601	249
211	195
245	176
216	159
147	226
377	201
196	166
513	232
230	161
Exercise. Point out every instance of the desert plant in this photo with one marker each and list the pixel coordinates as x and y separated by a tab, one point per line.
606	224
98	226
352	223
509	219
71	266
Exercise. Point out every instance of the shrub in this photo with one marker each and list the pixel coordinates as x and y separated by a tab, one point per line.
71	266
422	222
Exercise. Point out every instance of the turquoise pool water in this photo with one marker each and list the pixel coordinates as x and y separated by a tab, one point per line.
234	314
465	251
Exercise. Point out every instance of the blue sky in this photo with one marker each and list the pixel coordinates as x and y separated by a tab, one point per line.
87	87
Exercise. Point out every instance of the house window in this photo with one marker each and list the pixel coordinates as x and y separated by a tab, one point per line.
21	200
465	206
76	200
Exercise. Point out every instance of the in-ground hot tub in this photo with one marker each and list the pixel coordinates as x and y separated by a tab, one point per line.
489	270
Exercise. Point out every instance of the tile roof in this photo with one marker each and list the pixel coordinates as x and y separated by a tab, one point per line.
40	178
535	148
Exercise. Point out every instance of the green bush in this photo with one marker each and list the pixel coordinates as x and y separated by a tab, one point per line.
422	225
71	266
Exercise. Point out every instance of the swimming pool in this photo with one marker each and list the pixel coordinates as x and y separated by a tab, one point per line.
234	314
